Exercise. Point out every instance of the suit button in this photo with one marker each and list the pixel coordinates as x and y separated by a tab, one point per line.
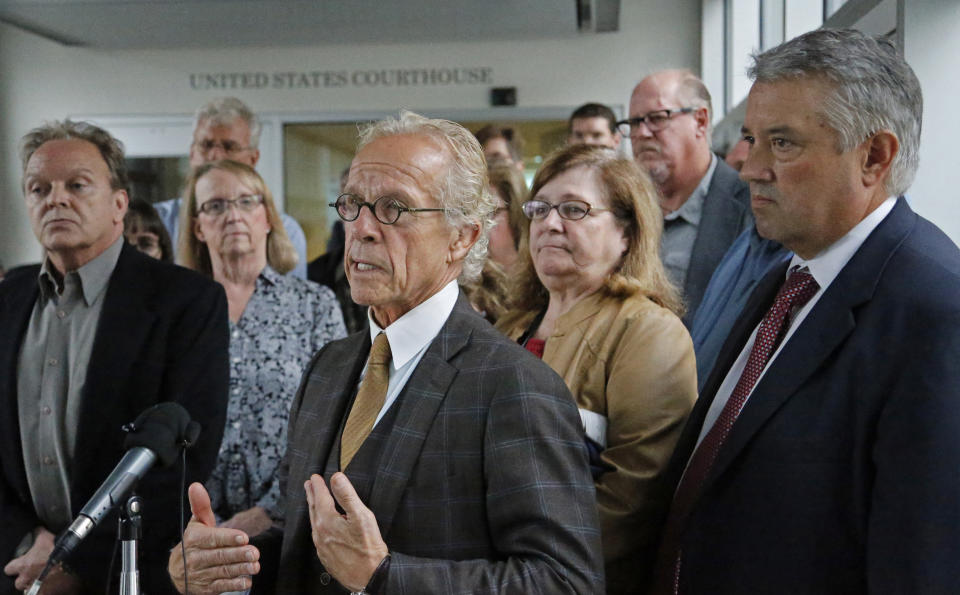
325	579
47	460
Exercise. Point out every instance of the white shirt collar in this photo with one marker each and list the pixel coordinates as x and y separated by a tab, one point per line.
827	265
413	331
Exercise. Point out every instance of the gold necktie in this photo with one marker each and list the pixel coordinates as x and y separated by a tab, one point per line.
369	401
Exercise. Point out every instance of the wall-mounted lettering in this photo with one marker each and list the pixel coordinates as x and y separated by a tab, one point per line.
327	79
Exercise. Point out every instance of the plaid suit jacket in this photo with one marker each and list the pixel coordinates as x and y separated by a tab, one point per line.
484	483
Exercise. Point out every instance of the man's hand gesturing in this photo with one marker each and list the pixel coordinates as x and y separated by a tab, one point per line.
218	560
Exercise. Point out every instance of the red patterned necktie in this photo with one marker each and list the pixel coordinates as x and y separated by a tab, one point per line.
796	291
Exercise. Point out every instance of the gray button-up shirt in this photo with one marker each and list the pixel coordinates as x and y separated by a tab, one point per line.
680	230
51	373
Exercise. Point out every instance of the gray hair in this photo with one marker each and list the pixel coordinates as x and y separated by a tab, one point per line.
873	89
694	93
225	111
110	148
463	190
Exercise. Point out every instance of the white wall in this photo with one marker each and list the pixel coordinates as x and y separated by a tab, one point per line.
42	80
932	47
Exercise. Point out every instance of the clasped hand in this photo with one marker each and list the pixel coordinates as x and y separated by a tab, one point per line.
27	568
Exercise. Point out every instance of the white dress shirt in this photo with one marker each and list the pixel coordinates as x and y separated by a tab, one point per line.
409	336
824	268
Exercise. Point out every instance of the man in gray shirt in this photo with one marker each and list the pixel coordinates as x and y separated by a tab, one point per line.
226	128
705	205
91	337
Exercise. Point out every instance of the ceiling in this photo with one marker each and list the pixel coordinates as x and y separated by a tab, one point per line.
152	24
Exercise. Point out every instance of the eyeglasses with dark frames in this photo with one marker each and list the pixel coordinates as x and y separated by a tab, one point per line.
386	208
218	206
572	210
656	120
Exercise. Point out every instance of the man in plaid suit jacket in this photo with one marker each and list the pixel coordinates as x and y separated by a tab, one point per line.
474	477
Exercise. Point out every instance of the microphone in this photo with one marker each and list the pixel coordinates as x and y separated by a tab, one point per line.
157	433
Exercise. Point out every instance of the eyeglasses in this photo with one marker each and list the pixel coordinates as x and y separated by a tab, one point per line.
229	147
218	206
386	208
656	120
572	210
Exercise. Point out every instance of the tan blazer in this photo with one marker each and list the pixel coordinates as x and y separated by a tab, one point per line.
631	361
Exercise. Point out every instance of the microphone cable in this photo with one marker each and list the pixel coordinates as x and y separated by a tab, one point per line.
183	490
113	558
183	484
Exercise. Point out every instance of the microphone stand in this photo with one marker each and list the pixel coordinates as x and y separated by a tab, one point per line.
129	532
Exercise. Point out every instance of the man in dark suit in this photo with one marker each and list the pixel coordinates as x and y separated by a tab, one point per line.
822	455
705	205
457	464
91	338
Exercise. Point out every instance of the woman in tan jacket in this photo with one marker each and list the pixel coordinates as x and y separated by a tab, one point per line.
592	299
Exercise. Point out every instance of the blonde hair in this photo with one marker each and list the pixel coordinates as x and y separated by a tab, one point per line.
194	254
634	201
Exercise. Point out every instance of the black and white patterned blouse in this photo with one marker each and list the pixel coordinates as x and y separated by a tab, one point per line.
285	322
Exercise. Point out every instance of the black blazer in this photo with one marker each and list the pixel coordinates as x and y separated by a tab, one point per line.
841	473
162	336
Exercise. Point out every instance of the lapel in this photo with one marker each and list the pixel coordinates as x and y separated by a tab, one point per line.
813	344
760	300
19	296
319	411
109	397
419	402
329	399
720	224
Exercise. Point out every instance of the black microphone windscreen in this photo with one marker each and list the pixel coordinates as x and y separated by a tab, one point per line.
163	428
192	433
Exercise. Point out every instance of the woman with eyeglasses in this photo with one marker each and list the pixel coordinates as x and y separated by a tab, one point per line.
233	233
591	298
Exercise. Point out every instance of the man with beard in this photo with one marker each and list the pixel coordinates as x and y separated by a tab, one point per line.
705	205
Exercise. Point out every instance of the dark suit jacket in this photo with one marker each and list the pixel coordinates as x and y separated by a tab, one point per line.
726	213
484	485
842	473
162	336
